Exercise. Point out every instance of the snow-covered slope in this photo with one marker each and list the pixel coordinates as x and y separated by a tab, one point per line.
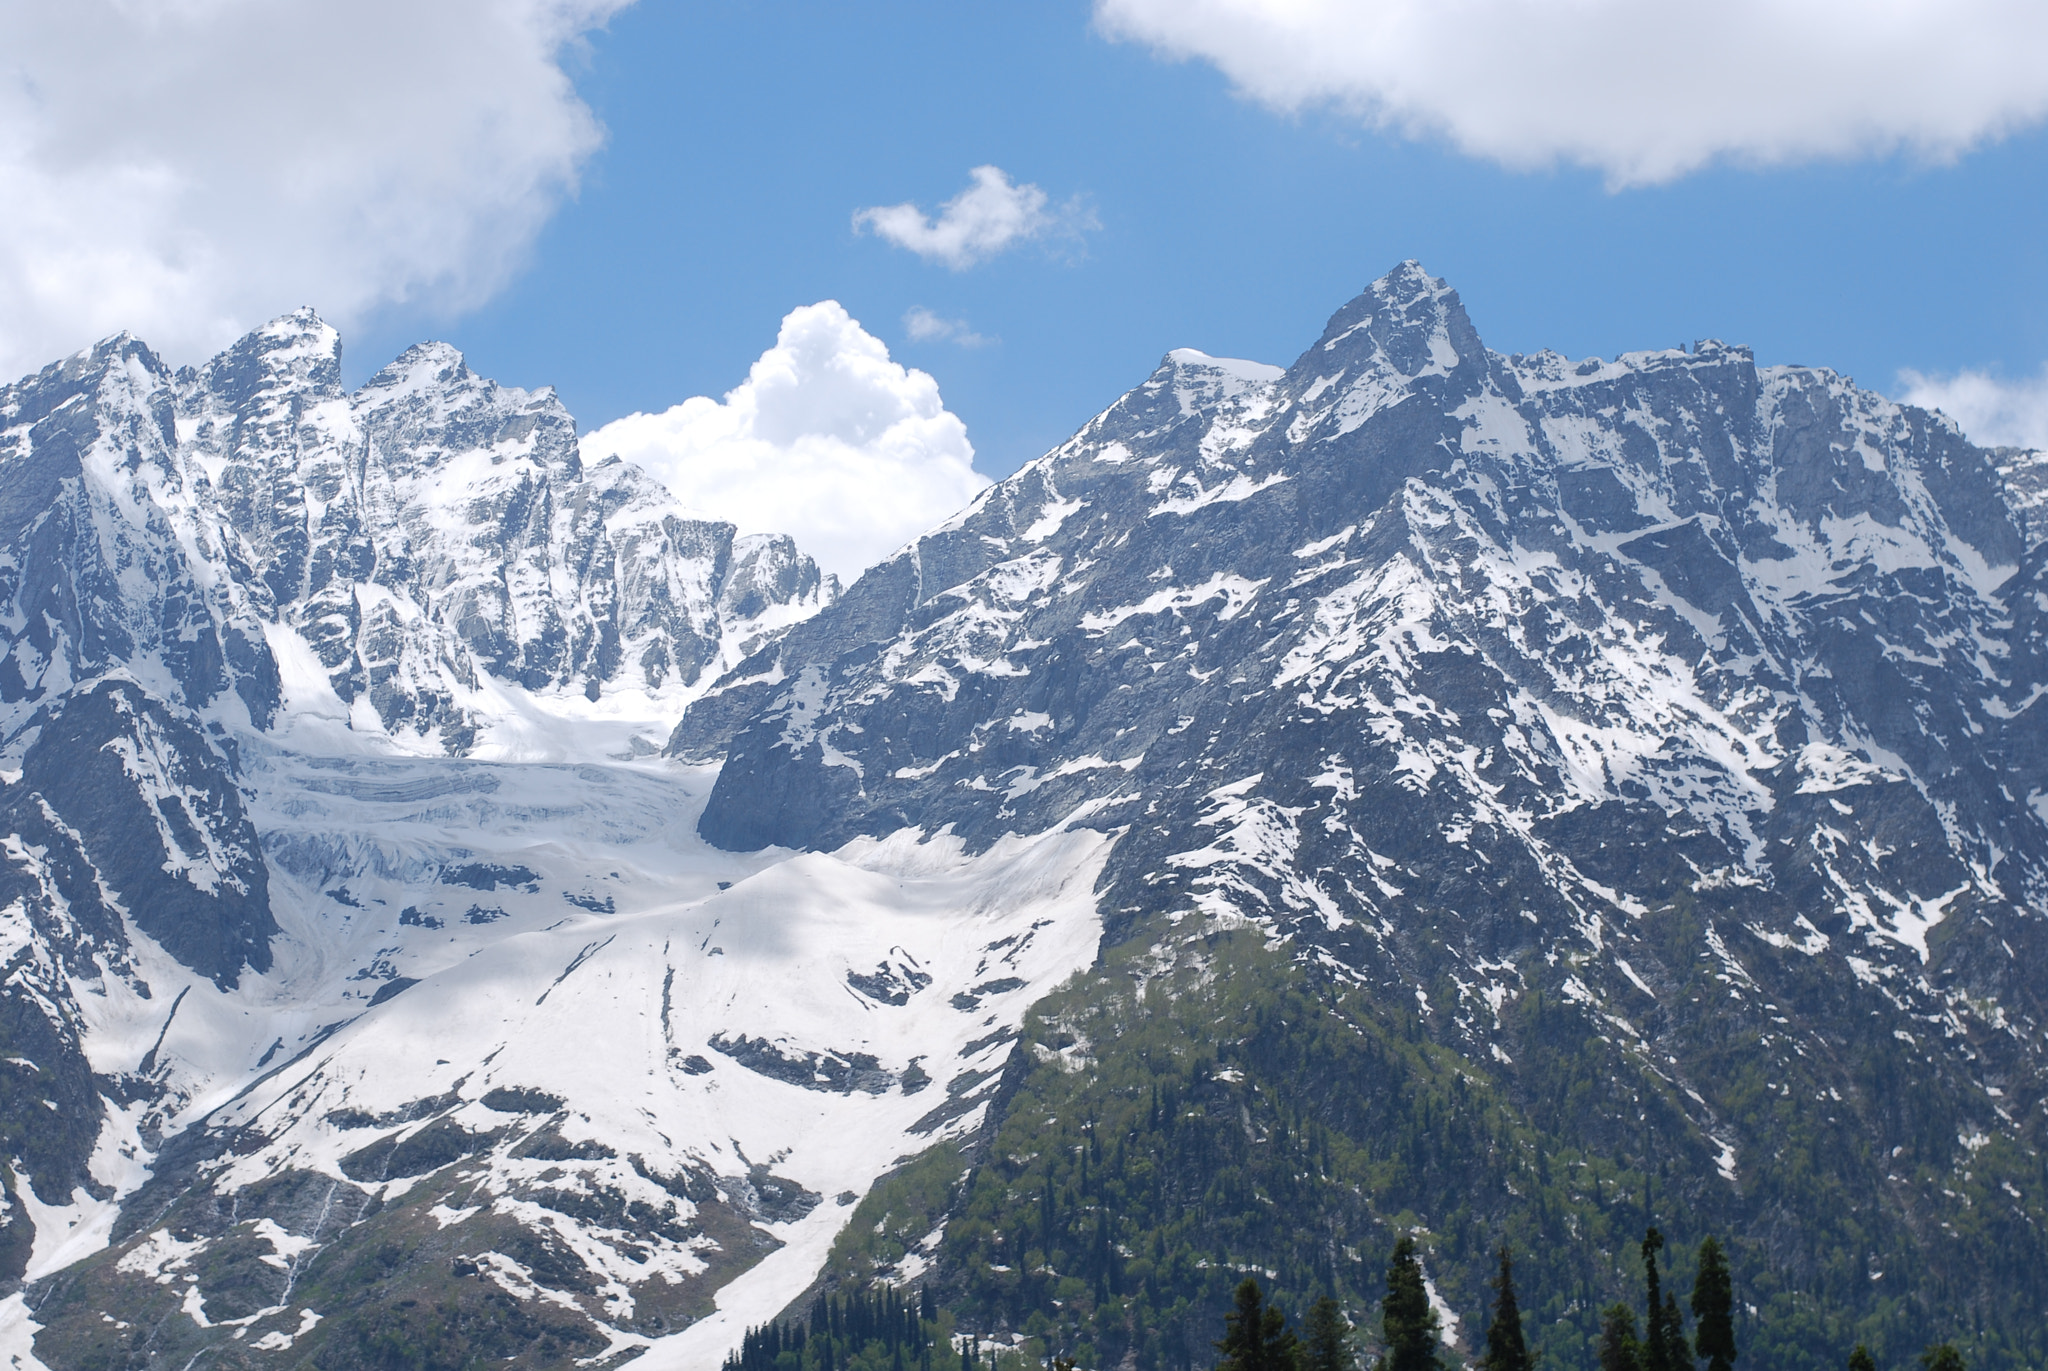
521	1021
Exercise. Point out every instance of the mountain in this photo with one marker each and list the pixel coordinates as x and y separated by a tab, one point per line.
1415	791
233	598
1635	762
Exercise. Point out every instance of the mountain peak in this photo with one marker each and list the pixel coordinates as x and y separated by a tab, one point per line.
429	364
1407	322
295	351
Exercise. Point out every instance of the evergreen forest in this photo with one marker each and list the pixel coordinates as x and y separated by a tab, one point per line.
1139	1163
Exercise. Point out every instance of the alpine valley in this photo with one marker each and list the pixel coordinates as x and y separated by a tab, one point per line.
457	906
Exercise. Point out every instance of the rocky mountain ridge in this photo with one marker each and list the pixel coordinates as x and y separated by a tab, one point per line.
248	529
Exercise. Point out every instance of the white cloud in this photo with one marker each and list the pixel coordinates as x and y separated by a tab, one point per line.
186	169
1992	412
990	216
926	327
1643	90
827	440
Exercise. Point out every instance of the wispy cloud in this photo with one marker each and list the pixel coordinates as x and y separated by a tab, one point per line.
927	327
1643	90
991	216
1993	412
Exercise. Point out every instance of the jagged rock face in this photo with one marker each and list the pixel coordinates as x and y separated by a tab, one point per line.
1647	750
1458	671
420	537
417	541
104	565
115	779
435	527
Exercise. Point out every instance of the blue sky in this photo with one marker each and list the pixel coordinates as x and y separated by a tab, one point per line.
742	137
638	201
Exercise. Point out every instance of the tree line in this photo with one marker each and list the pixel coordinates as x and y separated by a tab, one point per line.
888	1330
881	1329
1257	1335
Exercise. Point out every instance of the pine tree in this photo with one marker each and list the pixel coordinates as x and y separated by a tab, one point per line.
1677	1351
1329	1338
1657	1353
1506	1350
1861	1360
1713	1309
1407	1322
1256	1336
1942	1356
1619	1349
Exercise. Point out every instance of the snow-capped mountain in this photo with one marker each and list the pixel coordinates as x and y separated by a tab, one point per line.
1637	763
1493	682
399	558
215	577
1674	610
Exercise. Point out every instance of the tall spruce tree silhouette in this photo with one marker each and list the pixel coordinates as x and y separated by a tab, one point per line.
1407	1322
1713	1308
1328	1344
1656	1349
1506	1350
1256	1336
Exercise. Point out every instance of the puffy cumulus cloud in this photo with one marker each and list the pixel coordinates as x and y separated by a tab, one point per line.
186	169
1994	413
990	216
827	440
1643	90
924	326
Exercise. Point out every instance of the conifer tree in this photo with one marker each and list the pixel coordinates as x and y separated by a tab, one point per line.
1619	1348
1654	1355
1861	1360
1329	1338
1407	1322
1256	1336
1677	1351
1713	1308
1942	1356
1243	1329
1506	1350
1664	1346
